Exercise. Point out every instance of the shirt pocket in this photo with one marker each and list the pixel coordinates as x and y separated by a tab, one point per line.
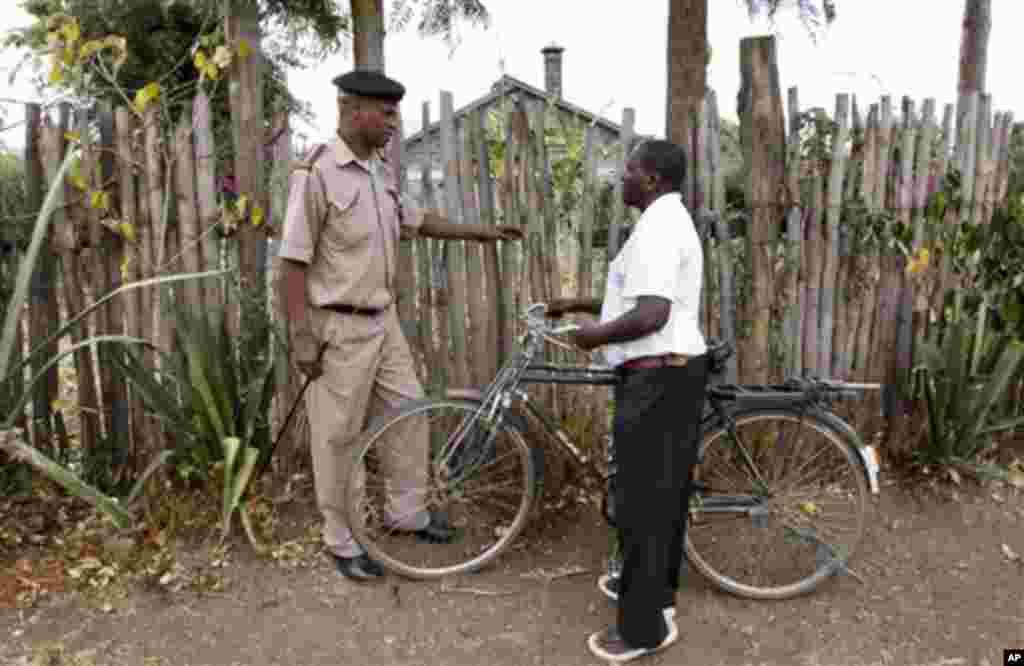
346	226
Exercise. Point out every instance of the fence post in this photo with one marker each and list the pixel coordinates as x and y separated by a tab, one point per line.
925	156
434	367
514	254
585	261
456	283
866	256
478	315
831	302
206	198
43	291
496	297
762	128
618	208
903	358
794	284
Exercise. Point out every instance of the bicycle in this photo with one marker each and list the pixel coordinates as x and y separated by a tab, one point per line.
773	461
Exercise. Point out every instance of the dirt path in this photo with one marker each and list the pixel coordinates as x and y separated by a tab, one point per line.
941	587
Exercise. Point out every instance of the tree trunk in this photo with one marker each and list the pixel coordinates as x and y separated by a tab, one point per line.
762	128
368	34
687	79
974	36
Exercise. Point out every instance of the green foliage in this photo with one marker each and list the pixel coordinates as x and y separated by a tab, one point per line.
993	255
208	391
961	405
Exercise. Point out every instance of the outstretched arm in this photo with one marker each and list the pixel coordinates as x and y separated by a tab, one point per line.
436	226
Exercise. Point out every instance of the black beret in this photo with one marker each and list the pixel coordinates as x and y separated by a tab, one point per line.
370	84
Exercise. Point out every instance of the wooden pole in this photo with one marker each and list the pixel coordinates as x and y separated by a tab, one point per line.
126	123
185	174
456	256
511	255
496	295
67	220
885	311
814	258
368	34
867	257
762	129
830	300
478	315
434	367
585	261
43	292
206	198
983	140
903	358
114	249
716	203
618	208
795	279
247	114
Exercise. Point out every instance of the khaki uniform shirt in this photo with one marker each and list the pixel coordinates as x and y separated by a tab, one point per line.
344	220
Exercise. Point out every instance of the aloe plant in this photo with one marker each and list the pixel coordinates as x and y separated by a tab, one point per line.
960	403
214	402
11	439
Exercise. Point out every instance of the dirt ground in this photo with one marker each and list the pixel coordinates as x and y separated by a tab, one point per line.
941	583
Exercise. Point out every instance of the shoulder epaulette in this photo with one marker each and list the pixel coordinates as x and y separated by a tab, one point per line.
314	155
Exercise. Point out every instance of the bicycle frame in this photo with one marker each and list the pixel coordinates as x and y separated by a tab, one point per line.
724	402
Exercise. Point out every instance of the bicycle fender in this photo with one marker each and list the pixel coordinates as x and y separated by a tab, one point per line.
865	454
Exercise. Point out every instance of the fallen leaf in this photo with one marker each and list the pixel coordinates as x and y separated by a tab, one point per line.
1015	479
1010	554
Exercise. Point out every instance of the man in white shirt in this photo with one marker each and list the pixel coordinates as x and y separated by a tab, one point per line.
651	333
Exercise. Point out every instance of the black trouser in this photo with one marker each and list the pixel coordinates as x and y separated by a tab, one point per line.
657	419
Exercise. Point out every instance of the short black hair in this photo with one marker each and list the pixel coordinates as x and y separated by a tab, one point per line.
665	159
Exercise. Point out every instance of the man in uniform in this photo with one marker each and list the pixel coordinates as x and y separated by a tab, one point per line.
344	220
651	330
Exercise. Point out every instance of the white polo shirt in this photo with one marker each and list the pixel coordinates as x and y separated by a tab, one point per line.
662	257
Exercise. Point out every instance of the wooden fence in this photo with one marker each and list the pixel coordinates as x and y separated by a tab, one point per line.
832	303
795	286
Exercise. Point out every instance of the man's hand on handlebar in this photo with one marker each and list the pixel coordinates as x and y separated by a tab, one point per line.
585	337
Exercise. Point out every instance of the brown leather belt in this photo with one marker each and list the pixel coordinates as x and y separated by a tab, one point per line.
662	361
351	309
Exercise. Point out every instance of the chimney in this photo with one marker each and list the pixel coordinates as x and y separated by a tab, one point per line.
553	69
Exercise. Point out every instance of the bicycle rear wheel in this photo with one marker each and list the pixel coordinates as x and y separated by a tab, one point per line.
779	505
482	482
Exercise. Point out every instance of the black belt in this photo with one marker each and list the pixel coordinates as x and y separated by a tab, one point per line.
351	309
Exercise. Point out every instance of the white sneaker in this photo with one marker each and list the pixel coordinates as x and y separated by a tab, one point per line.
608	645
609	586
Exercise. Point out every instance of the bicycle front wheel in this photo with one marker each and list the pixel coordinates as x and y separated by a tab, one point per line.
479	478
779	504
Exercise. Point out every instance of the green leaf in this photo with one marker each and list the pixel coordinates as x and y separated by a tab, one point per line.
997	385
25	270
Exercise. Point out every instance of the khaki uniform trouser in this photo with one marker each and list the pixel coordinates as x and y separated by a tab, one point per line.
367	370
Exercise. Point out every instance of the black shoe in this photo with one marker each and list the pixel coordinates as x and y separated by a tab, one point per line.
436	531
360	568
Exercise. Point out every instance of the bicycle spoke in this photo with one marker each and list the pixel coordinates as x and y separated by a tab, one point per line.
815	505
